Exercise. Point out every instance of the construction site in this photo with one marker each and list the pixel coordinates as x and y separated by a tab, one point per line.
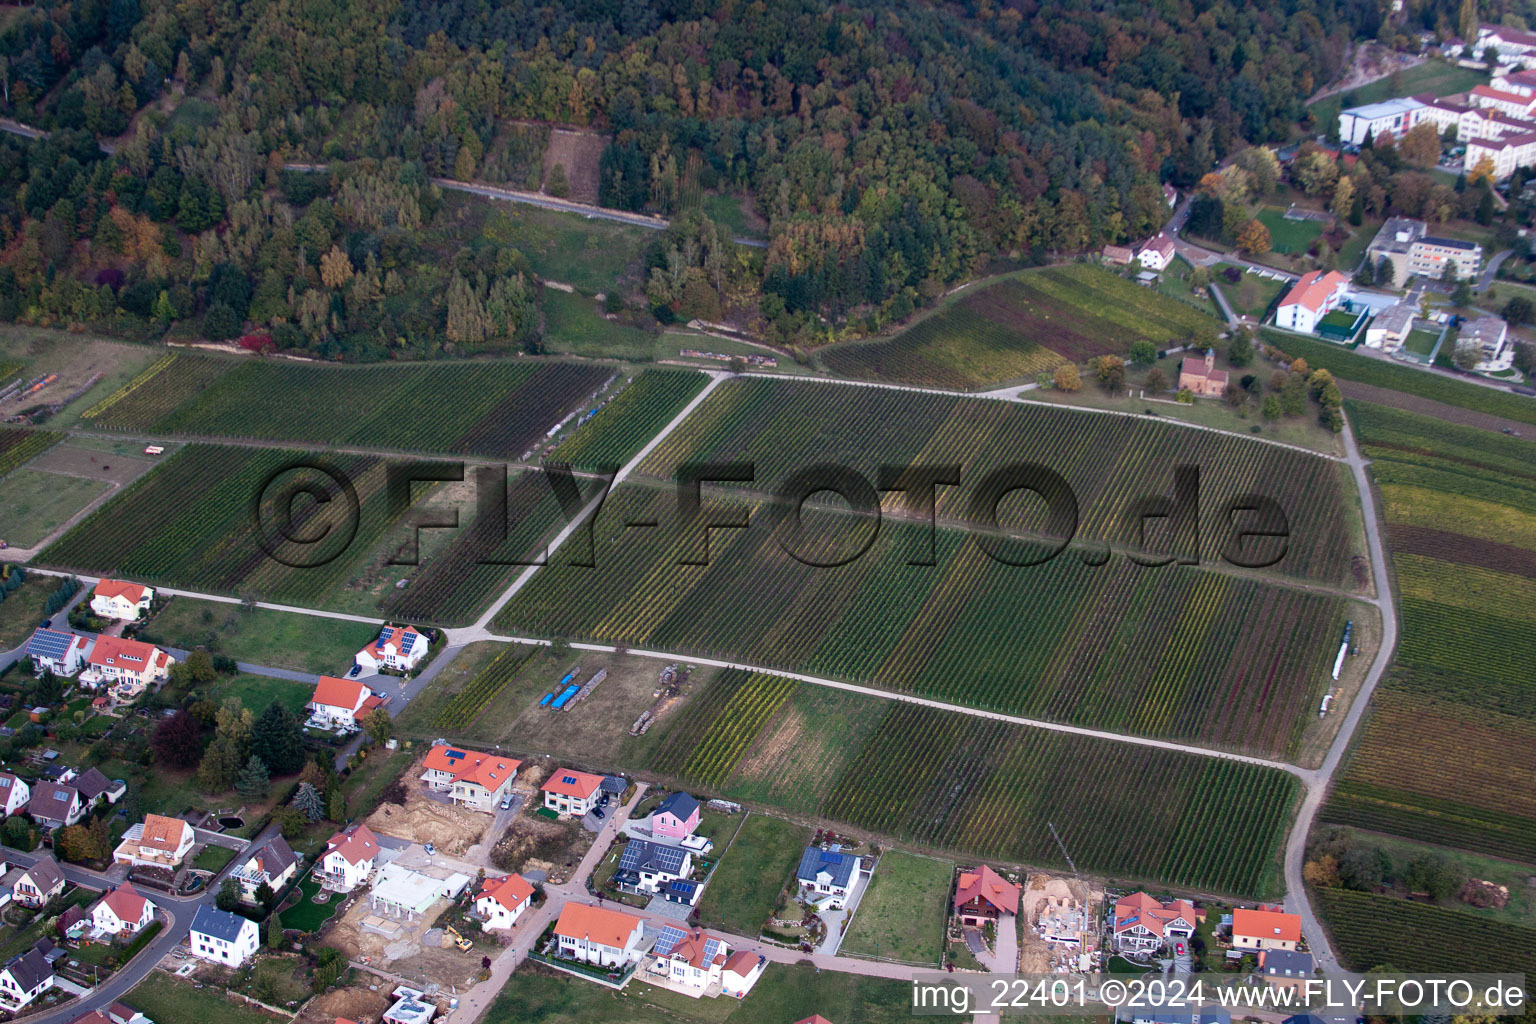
1059	927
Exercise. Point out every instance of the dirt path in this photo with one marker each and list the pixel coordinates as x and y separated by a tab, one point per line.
1430	407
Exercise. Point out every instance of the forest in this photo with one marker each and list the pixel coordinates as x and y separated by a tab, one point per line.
891	151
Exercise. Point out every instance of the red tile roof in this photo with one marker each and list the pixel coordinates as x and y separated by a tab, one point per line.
162	833
485	770
128	655
125	902
510	892
1193	366
581	786
1140	908
1500	95
133	593
355	845
1313	289
596	924
989	886
339	693
1267	924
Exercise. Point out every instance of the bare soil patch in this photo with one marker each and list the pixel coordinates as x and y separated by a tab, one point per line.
69	460
579	152
73	367
451	828
347	1003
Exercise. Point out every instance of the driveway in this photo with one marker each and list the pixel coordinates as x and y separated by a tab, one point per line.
1006	959
400	695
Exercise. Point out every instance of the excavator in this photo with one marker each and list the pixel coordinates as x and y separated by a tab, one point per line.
458	940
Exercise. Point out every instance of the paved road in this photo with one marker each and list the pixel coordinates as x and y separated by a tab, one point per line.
1297	899
60	619
1491	271
401	692
177	911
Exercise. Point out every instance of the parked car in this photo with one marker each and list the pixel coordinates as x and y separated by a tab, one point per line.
506	802
355	670
48	623
597	812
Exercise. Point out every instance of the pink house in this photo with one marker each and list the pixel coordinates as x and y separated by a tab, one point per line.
676	816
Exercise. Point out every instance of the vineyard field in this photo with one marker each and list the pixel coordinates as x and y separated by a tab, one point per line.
460	711
18	447
1109	462
1450	746
157	391
496	409
452	587
623	426
189	524
953	782
1369	930
1019	327
1175	652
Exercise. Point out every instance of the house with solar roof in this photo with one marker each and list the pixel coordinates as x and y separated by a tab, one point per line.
63	654
568	791
652	868
827	876
690	961
470	778
55	805
398	647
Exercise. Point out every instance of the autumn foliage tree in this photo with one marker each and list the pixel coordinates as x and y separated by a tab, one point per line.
178	741
1254	238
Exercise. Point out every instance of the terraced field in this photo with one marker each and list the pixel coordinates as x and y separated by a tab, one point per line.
1019	327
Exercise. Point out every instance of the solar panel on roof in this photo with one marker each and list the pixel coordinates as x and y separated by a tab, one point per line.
451	754
569	780
48	643
832	858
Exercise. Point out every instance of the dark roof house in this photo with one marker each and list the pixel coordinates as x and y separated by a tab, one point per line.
838	865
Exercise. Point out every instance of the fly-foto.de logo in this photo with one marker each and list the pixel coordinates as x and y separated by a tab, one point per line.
305	514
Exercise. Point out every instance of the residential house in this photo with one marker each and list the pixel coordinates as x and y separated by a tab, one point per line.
117	1013
58	652
814	1018
337	704
1143	923
597	935
502	901
1285	968
119	599
742	969
1378	120
349	858
55	804
156	842
1157	253
122	912
96	789
1170	195
1118	255
1391	327
223	937
1404	244
129	667
274	866
471	778
1201	377
1310	299
1486	339
39	883
1265	928
829	875
982	895
398	647
676	817
692	961
568	791
647	867
1513	47
14	793
23	979
1492	97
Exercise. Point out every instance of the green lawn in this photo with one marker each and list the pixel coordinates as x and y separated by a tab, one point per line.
22	610
1351	251
753	870
306	915
567	247
726	210
302	643
213	858
160	997
1252	294
1288	236
1421	342
256	692
536	995
572	324
901	916
1437	77
33	504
